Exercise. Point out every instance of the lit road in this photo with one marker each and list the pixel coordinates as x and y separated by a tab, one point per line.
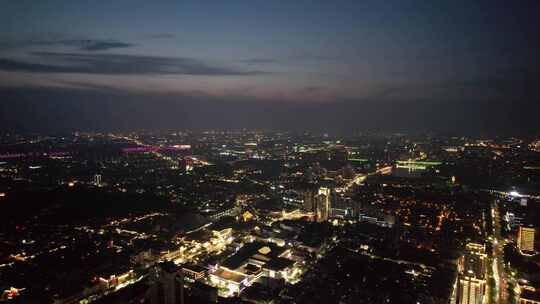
157	154
360	178
501	284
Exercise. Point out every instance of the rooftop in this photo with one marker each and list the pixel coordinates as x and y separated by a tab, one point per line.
229	275
257	250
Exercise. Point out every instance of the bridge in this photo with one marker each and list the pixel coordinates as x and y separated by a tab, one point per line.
360	178
416	164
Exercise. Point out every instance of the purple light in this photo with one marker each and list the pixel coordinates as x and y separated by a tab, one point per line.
155	149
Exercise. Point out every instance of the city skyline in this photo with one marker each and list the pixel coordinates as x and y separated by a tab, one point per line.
270	151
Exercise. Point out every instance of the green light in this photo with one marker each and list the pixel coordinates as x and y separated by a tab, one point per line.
363	160
420	163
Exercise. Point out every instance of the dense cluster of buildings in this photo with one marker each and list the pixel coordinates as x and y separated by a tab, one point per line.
268	217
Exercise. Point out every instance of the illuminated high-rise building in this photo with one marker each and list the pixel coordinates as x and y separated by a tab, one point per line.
471	290
525	239
189	164
323	205
97	180
471	283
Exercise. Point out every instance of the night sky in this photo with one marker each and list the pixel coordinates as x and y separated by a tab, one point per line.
469	67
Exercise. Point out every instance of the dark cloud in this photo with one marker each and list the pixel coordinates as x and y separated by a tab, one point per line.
313	58
53	109
14	65
113	64
81	44
104	45
300	58
500	84
159	36
260	61
514	80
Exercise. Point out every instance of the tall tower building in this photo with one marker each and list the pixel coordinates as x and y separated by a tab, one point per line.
323	204
471	284
168	284
525	239
308	196
97	180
